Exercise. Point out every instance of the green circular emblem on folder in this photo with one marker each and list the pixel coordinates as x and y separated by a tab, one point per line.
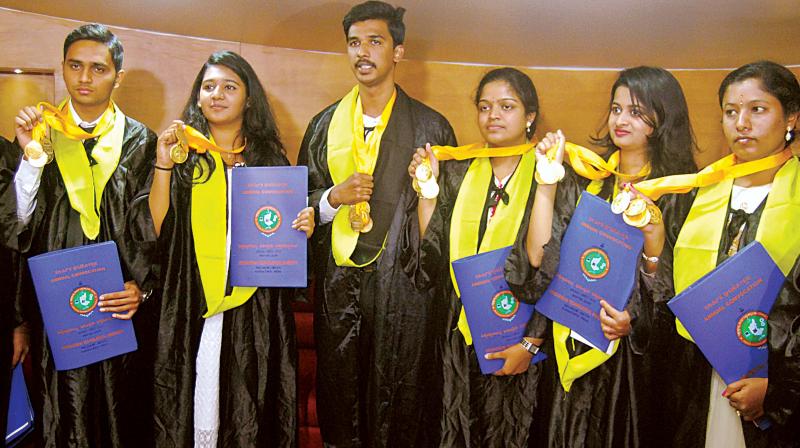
268	220
83	300
505	305
752	329
595	263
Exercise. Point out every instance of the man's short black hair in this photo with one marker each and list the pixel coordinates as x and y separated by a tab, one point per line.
97	33
376	10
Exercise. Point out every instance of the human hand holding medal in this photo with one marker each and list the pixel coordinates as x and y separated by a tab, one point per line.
179	151
550	158
636	209
424	169
35	143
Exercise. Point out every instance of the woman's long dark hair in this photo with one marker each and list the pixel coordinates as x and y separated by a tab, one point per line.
660	97
259	130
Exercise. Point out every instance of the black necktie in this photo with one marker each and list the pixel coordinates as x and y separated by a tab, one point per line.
738	219
88	144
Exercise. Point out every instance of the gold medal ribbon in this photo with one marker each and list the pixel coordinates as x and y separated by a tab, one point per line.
200	143
209	231
349	152
723	169
590	165
59	119
501	230
477	150
696	250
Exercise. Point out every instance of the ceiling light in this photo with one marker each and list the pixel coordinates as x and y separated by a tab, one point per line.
18	71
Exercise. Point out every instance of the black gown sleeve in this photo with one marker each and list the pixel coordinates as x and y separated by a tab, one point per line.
139	237
782	401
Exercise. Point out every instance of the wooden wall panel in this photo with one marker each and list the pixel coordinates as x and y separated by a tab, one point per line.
17	91
160	69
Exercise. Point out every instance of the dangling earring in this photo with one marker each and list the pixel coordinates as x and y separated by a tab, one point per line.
788	134
528	127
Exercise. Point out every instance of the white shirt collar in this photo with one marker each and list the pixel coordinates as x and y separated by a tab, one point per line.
78	120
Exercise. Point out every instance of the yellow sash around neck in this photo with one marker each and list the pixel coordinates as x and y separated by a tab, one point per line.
501	230
210	232
697	247
84	183
572	368
349	153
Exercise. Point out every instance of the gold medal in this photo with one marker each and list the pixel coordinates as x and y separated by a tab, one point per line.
429	189
424	171
621	202
655	214
178	153
636	207
639	220
367	227
549	172
35	154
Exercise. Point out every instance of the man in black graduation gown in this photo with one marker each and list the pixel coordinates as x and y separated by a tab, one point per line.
100	404
371	325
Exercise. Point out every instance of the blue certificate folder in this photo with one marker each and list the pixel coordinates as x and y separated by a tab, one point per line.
598	260
726	312
20	411
68	285
497	320
265	249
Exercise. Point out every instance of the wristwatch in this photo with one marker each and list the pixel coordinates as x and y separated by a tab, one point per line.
529	346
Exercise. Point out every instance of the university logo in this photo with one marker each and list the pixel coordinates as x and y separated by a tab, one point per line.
505	305
752	329
268	220
83	300
594	263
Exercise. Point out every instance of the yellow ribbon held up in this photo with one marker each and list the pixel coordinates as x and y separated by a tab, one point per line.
200	143
59	119
477	150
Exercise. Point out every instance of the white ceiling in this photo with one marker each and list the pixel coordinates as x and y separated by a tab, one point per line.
532	33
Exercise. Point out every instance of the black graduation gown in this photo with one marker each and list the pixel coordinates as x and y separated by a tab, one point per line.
10	312
610	406
258	358
371	323
685	376
98	405
477	410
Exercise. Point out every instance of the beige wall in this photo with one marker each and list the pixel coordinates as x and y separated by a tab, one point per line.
160	69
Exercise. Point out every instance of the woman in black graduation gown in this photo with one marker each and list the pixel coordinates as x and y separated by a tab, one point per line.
495	194
760	109
226	379
607	403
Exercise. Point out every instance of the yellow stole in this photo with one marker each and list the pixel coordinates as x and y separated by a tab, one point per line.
85	183
696	250
501	230
210	231
572	368
348	153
